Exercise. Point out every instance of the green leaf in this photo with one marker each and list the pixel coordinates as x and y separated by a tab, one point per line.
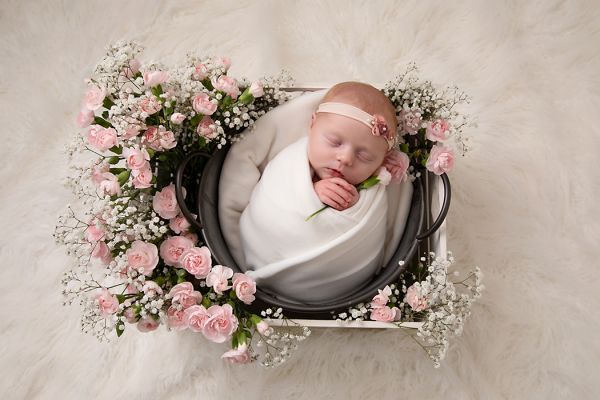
206	302
116	171
196	120
181	272
120	328
207	84
151	152
121	298
255	319
157	90
102	122
180	279
123	177
108	103
113	160
116	149
226	102
369	182
246	97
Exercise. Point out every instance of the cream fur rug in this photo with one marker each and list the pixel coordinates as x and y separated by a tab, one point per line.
524	205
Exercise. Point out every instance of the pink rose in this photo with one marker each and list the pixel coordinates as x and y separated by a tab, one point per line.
257	89
166	139
195	318
240	355
129	315
221	324
142	178
94	97
200	72
155	78
94	232
382	298
176	319
217	278
147	324
107	303
143	257
263	328
133	68
102	252
225	62
149	105
102	138
192	236
415	298
165	202
132	131
207	128
383	176
385	314
172	249
85	118
197	261
151	289
110	184
396	162
177	118
227	85
410	121
438	130
441	159
244	287
180	224
202	104
136	158
185	295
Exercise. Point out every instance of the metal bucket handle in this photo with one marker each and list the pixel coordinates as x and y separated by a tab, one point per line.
179	189
443	212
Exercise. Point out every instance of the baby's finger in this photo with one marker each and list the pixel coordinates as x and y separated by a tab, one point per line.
335	200
344	184
345	193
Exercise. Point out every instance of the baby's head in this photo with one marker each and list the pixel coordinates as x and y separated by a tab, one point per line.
342	139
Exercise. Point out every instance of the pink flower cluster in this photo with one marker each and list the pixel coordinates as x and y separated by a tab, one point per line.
415	297
101	138
380	311
441	159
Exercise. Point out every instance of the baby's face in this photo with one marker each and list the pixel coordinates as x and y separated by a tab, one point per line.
342	147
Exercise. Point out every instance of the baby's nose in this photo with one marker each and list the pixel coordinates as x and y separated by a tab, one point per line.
345	157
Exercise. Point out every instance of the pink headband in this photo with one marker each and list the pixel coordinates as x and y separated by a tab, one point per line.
376	122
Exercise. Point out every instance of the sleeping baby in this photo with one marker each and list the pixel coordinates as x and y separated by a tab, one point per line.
334	253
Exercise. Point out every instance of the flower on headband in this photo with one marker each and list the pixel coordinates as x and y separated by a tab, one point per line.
380	127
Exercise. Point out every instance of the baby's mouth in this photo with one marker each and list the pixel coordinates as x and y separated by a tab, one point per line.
335	173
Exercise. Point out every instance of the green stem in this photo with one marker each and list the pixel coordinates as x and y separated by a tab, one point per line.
315	213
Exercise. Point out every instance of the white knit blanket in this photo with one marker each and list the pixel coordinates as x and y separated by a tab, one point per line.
327	256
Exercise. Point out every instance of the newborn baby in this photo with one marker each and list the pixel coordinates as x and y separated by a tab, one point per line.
337	251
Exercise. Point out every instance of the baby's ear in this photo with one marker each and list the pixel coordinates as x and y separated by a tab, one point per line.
312	119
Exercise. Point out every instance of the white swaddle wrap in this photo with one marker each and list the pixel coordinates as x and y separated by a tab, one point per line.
330	255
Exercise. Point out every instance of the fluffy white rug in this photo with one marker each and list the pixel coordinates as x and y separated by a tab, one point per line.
523	207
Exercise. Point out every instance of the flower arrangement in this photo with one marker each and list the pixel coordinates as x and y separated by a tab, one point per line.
428	121
426	294
139	262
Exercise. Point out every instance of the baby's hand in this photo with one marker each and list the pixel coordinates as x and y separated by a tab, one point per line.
336	193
